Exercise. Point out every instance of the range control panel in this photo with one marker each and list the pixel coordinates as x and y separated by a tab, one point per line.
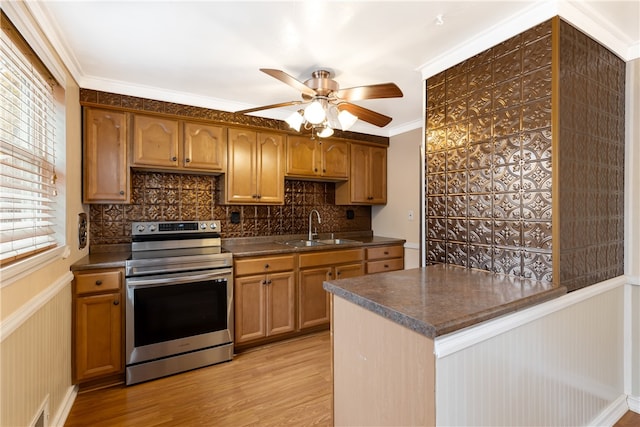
174	227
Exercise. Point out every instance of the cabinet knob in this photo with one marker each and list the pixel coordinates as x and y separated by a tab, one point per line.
324	171
264	282
122	192
339	273
116	302
174	158
329	274
266	266
386	253
188	160
268	282
98	282
315	169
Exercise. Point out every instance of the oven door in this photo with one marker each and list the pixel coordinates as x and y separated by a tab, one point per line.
171	314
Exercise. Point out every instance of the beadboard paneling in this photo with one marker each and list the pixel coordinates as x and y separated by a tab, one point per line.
539	373
35	362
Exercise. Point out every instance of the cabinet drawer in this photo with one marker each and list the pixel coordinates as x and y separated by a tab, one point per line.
385	265
330	258
385	252
248	266
98	281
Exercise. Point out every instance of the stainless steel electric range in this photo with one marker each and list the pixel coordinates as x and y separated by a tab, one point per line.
179	299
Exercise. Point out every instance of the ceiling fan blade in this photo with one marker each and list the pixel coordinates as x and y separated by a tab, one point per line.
365	114
268	107
286	78
382	90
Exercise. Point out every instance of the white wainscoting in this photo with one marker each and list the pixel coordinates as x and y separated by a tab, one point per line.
35	358
559	363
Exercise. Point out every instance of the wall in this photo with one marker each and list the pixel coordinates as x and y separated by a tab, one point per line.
538	373
35	307
525	159
177	197
589	191
403	195
488	157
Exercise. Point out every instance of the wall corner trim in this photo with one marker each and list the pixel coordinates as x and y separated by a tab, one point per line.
21	315
63	411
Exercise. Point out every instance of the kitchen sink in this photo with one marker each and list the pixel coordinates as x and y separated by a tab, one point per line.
305	243
337	241
302	243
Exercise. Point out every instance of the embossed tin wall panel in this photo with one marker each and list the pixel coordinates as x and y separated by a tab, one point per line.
592	160
489	159
178	197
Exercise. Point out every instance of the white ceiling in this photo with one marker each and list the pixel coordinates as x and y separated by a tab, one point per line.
208	53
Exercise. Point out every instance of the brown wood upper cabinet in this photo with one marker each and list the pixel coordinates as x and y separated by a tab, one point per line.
367	183
317	158
255	168
168	144
106	169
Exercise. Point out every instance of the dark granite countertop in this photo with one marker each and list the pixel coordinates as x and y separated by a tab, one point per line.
440	299
114	259
240	247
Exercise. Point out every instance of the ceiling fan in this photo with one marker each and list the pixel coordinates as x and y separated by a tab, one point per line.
329	106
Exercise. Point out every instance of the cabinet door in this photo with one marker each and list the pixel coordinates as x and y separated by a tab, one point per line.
155	142
270	168
98	336
359	178
280	303
205	147
335	156
377	175
303	157
105	171
249	302
240	181
313	300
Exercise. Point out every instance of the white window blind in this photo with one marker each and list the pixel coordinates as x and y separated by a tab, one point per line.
27	156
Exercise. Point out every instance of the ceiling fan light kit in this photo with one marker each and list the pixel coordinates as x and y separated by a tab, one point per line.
329	107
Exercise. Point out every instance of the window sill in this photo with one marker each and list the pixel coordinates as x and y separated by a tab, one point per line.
20	269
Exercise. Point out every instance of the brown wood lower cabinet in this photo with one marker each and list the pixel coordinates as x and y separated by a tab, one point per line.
264	295
97	324
315	268
384	258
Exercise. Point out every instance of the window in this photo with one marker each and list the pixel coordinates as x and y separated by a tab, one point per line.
27	151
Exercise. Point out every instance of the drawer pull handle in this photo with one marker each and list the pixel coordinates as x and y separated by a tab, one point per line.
116	302
386	253
98	282
386	266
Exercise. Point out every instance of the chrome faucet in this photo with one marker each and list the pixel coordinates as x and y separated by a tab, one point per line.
310	221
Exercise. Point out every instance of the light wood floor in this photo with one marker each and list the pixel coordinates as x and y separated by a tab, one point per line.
279	385
283	384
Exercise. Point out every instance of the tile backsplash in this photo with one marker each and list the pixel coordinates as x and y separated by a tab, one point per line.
181	197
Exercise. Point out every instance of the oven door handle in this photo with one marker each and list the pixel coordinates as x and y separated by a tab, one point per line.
138	282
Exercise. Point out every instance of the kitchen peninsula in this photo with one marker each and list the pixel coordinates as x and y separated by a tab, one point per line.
383	333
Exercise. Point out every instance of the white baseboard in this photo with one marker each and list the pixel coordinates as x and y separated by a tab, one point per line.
634	403
612	413
60	417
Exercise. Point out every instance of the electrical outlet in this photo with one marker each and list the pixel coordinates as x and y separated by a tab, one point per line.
410	215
